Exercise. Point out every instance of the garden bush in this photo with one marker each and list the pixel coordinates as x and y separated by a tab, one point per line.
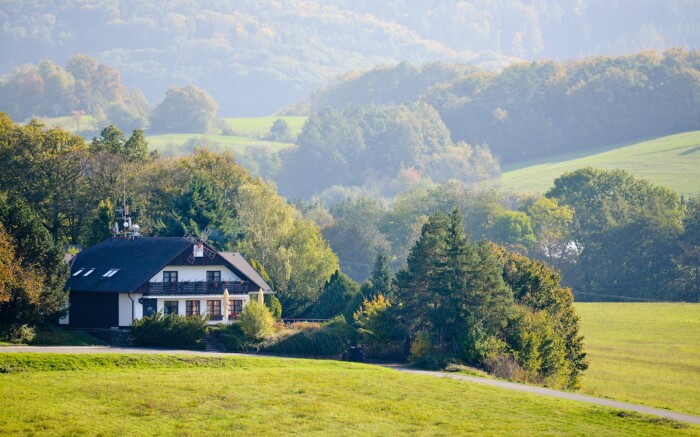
330	341
274	305
172	330
256	321
17	333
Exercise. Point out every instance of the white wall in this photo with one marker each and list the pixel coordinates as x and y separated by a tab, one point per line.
181	308
125	308
195	273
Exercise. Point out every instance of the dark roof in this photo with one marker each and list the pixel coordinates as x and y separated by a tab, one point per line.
138	260
240	263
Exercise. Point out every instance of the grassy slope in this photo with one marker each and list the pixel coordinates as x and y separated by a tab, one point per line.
165	395
643	353
260	126
88	123
672	161
229	142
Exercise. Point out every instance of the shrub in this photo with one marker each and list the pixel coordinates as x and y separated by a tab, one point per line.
301	326
330	341
274	305
233	339
17	333
176	331
256	321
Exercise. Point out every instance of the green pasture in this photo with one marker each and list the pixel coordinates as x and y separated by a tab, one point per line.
672	161
260	126
87	123
48	394
179	144
646	353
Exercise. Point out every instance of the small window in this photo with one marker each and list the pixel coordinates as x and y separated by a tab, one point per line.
235	307
214	308
110	273
170	276
78	272
214	276
170	307
88	272
192	307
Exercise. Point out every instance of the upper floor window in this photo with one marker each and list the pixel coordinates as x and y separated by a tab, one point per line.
214	276
169	276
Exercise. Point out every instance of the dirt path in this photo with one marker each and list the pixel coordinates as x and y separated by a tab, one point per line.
492	382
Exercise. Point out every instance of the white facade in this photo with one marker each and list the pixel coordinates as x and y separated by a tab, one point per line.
133	310
129	308
196	273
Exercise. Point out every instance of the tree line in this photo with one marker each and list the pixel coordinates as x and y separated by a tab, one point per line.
71	188
541	108
382	149
611	235
86	87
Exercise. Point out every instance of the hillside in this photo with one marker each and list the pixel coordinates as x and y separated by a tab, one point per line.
255	57
672	161
198	395
642	353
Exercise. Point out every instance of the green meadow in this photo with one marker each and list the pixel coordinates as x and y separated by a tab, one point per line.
49	394
260	126
645	353
672	161
84	123
178	144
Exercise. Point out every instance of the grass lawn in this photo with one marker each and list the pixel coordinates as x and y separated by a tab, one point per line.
260	126
88	123
646	353
175	143
188	395
671	161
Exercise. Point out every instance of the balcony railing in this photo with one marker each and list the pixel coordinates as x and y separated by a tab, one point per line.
194	287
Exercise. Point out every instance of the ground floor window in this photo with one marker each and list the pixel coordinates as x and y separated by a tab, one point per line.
214	309
170	307
192	307
235	307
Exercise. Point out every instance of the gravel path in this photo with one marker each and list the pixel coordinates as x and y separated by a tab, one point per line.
558	394
492	382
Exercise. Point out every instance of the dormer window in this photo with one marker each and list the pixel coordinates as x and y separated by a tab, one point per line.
78	272
110	273
89	272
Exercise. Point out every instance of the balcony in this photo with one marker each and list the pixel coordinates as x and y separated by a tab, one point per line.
195	288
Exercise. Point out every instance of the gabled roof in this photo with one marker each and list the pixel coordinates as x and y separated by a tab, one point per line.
240	263
137	261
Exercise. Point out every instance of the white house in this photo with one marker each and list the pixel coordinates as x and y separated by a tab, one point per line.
122	279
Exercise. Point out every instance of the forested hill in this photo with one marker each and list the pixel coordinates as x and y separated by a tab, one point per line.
255	57
542	108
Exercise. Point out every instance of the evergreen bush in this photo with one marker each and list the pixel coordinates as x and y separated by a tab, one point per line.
172	330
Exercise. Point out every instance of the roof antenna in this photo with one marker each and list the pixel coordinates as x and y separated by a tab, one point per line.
128	229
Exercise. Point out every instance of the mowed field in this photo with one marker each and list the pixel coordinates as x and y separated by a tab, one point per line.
672	161
177	144
249	131
645	353
47	394
260	126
